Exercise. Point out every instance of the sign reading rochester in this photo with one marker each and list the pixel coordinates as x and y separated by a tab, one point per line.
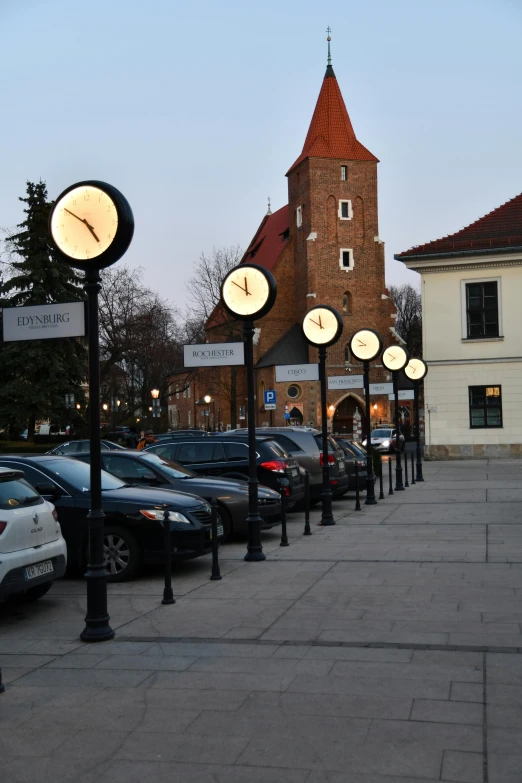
44	321
213	354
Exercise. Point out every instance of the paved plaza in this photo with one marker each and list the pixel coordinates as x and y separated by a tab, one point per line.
385	649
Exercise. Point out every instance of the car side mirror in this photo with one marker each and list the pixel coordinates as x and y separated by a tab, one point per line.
48	489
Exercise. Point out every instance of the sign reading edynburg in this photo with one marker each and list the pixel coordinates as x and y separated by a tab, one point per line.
39	322
213	354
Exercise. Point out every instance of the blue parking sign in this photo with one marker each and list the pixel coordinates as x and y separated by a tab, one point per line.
270	400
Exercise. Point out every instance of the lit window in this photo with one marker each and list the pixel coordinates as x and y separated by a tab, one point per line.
299	217
344	173
346	261
345	210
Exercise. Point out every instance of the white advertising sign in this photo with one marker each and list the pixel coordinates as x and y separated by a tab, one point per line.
39	322
404	394
381	388
297	372
345	382
214	354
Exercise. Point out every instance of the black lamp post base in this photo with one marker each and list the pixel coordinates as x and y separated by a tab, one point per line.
419	478
254	556
167	601
326	522
400	489
370	501
97	631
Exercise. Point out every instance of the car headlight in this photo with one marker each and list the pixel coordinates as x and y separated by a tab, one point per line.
157	513
385	443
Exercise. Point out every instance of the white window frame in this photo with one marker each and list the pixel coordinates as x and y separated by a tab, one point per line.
350	210
344	173
352	263
299	217
463	309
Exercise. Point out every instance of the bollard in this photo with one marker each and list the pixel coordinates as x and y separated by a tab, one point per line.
406	470
413	469
168	595
381	489
215	574
307	531
284	483
357	499
390	490
2	686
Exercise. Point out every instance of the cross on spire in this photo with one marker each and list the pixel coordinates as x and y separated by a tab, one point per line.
328	31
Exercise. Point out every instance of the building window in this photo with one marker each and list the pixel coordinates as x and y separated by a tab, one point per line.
293	391
346	259
347	353
177	394
347	303
482	310
299	217
485	406
184	393
345	210
344	173
188	392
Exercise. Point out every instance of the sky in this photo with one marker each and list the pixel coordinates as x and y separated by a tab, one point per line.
195	111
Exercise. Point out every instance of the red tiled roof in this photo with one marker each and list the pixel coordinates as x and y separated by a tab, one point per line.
331	134
264	249
499	230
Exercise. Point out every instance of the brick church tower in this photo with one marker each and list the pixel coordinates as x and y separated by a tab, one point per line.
322	248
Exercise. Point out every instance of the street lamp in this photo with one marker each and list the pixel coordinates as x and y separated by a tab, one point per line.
416	371
249	292
156	411
322	326
395	358
91	226
366	345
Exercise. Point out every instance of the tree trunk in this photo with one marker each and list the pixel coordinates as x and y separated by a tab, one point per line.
31	424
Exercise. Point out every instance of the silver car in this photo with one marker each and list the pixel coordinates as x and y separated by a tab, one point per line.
384	440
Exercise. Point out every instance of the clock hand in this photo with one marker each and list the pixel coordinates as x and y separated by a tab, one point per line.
360	343
317	324
246	288
239	286
82	220
392	358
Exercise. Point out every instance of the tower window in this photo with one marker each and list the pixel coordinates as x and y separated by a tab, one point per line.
347	303
299	217
345	210
344	173
346	259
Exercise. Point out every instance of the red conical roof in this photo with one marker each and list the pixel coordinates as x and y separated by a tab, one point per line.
331	134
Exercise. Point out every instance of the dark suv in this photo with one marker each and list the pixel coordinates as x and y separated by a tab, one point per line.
227	456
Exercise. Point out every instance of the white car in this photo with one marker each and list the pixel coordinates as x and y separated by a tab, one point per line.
385	440
33	552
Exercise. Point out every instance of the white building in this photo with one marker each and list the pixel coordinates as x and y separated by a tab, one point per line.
472	336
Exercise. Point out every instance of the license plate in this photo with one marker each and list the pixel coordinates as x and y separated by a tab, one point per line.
40	569
220	531
294	471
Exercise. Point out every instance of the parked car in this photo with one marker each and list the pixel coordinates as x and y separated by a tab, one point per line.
144	468
33	552
75	446
353	455
133	515
306	445
165	437
385	440
227	457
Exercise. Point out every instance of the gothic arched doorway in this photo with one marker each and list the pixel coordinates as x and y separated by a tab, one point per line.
296	415
344	412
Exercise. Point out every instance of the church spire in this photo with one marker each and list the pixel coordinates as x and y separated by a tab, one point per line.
329	69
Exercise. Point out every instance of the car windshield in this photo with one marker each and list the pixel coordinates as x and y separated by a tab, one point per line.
171	468
382	434
78	474
16	493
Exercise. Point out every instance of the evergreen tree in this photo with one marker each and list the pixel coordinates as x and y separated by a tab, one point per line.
37	374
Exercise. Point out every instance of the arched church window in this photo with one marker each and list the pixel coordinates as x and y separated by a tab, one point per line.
347	303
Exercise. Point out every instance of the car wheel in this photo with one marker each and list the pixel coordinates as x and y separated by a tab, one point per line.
122	554
224	519
33	594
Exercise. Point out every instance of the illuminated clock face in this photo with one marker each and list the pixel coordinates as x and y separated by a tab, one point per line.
416	369
366	345
84	222
247	291
395	358
322	326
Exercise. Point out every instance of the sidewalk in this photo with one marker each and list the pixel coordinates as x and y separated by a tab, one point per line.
385	649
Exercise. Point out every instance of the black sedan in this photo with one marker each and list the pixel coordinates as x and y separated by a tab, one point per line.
146	468
133	515
74	446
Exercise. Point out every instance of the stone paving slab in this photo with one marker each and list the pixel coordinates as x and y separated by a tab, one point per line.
385	649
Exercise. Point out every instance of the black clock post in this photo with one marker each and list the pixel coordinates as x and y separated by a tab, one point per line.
88	212
416	370
370	500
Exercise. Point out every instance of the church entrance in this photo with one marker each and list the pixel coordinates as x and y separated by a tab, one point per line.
343	416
